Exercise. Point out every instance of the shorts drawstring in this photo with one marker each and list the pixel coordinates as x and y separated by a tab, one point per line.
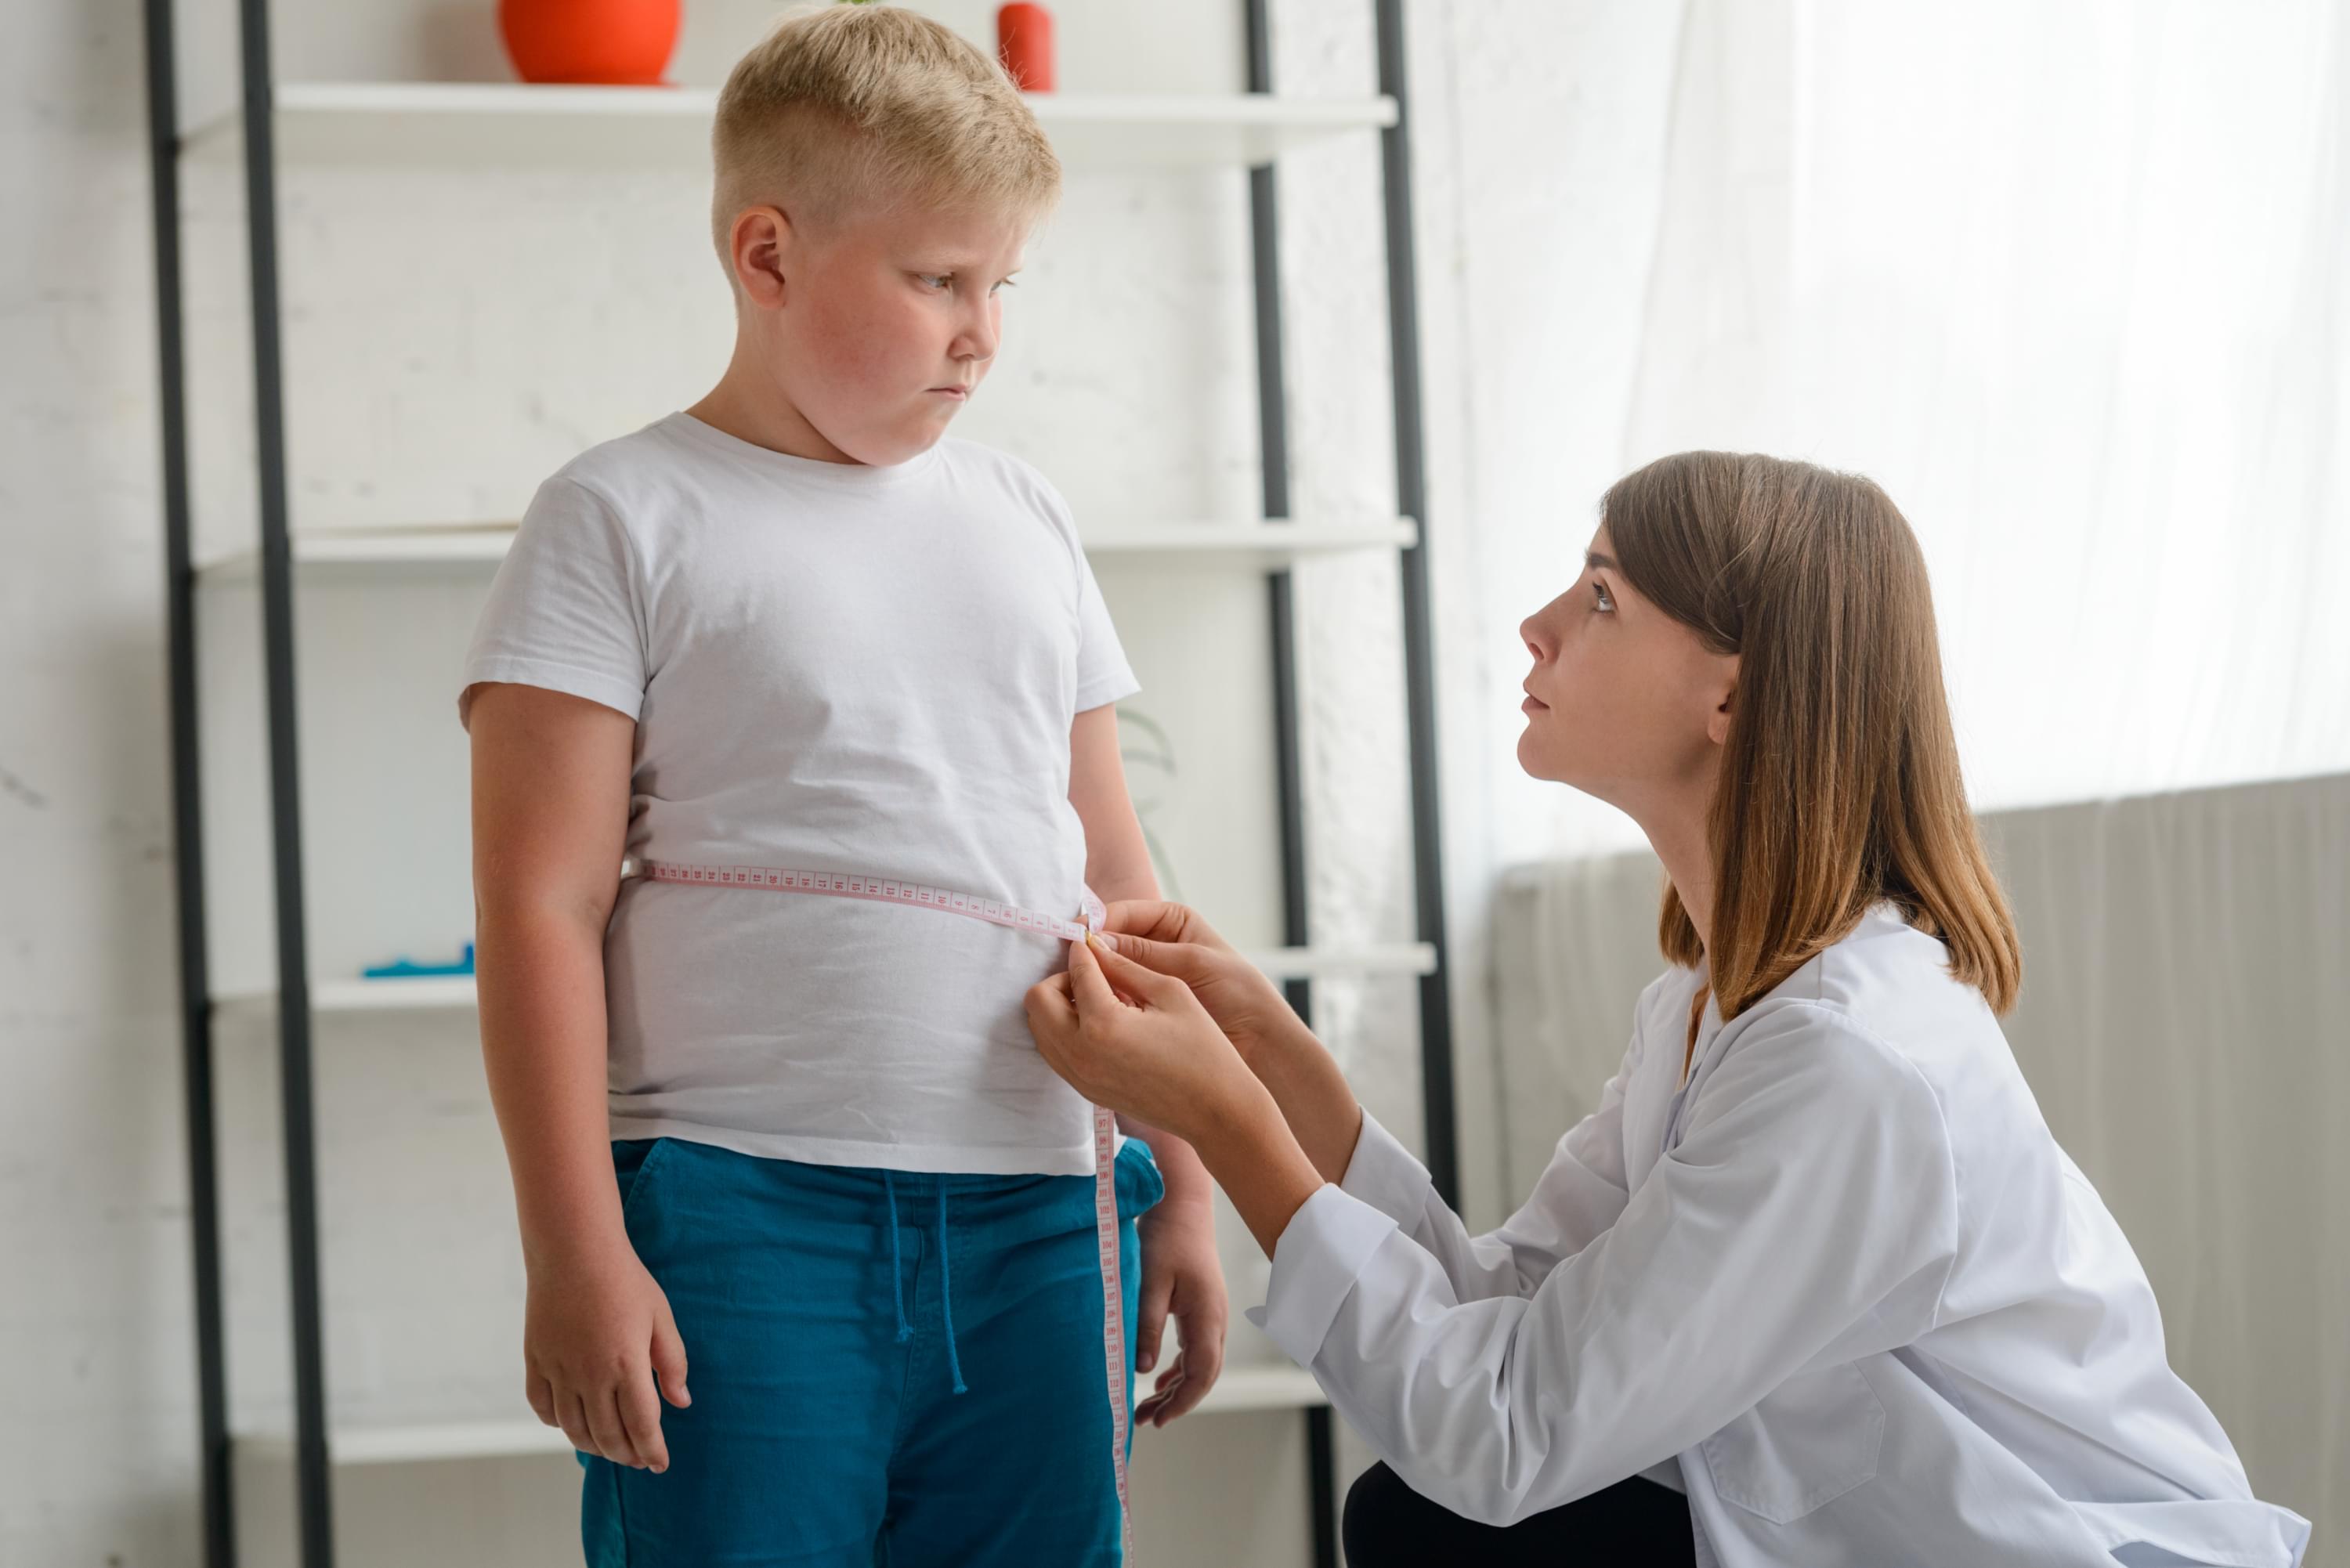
897	1259
898	1276
946	1300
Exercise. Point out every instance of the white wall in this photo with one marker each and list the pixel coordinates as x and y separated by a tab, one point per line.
1540	147
96	1424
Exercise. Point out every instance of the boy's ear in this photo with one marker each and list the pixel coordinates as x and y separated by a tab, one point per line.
759	242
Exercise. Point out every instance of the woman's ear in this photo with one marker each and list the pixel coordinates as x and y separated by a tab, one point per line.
1717	722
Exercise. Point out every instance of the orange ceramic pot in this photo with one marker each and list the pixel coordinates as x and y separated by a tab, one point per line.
1023	41
621	43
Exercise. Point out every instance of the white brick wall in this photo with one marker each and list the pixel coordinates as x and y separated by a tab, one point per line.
96	1425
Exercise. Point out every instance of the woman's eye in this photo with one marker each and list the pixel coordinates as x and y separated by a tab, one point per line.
1600	599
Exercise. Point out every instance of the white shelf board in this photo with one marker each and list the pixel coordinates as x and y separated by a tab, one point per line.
373	549
432	992
420	1443
1267	545
415	994
1264	546
1241	1390
1329	961
407	993
488	123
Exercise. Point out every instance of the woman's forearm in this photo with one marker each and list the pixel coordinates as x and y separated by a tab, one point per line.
1252	1154
543	1048
1323	1114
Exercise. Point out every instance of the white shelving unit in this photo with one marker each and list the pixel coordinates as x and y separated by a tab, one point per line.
467	125
493	121
1263	547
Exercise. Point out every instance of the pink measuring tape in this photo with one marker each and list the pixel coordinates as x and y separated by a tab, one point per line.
1093	917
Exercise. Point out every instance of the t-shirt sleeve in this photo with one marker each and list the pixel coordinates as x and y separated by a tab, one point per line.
567	611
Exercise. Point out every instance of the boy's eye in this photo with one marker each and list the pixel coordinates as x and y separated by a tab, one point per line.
934	279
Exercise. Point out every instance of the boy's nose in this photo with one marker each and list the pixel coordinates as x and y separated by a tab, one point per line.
978	339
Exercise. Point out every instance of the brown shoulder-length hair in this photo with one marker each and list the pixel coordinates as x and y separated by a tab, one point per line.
1839	782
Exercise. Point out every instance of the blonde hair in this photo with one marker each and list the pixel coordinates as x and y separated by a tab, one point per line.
1840	783
856	103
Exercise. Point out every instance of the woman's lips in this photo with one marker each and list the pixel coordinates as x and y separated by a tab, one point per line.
1532	705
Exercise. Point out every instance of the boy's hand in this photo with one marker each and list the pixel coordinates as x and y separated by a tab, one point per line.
596	1332
1182	1275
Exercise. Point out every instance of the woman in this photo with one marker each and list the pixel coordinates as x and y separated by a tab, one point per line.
1814	1285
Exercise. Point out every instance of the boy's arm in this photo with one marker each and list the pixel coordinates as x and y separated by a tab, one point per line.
1117	866
551	778
550	823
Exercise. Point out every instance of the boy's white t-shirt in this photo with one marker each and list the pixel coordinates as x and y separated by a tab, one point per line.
834	668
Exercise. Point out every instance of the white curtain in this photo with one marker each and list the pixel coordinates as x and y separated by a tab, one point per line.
2072	280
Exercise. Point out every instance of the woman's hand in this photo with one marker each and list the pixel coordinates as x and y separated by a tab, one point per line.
1138	1041
1265	1031
1172	940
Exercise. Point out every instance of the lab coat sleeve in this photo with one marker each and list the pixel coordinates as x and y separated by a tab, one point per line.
1811	1204
1579	1195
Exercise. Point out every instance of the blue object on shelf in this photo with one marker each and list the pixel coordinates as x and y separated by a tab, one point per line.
409	969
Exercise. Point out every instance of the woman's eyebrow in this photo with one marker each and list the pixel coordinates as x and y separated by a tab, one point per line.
1595	560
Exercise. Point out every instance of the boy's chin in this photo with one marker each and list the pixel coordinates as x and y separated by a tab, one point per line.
898	446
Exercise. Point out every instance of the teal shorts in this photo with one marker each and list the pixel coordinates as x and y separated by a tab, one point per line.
887	1367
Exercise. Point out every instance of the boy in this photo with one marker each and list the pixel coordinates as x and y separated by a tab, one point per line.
795	627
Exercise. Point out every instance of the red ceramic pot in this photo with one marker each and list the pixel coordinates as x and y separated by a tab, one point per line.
620	43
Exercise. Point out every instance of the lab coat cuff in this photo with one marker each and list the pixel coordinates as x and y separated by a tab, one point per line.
1385	1175
1324	1246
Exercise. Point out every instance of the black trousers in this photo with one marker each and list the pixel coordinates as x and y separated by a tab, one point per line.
1635	1524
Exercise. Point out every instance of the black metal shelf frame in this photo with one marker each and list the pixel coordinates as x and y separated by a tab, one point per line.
312	1475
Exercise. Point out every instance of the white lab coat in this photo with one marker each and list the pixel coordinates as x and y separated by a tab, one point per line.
1844	1291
